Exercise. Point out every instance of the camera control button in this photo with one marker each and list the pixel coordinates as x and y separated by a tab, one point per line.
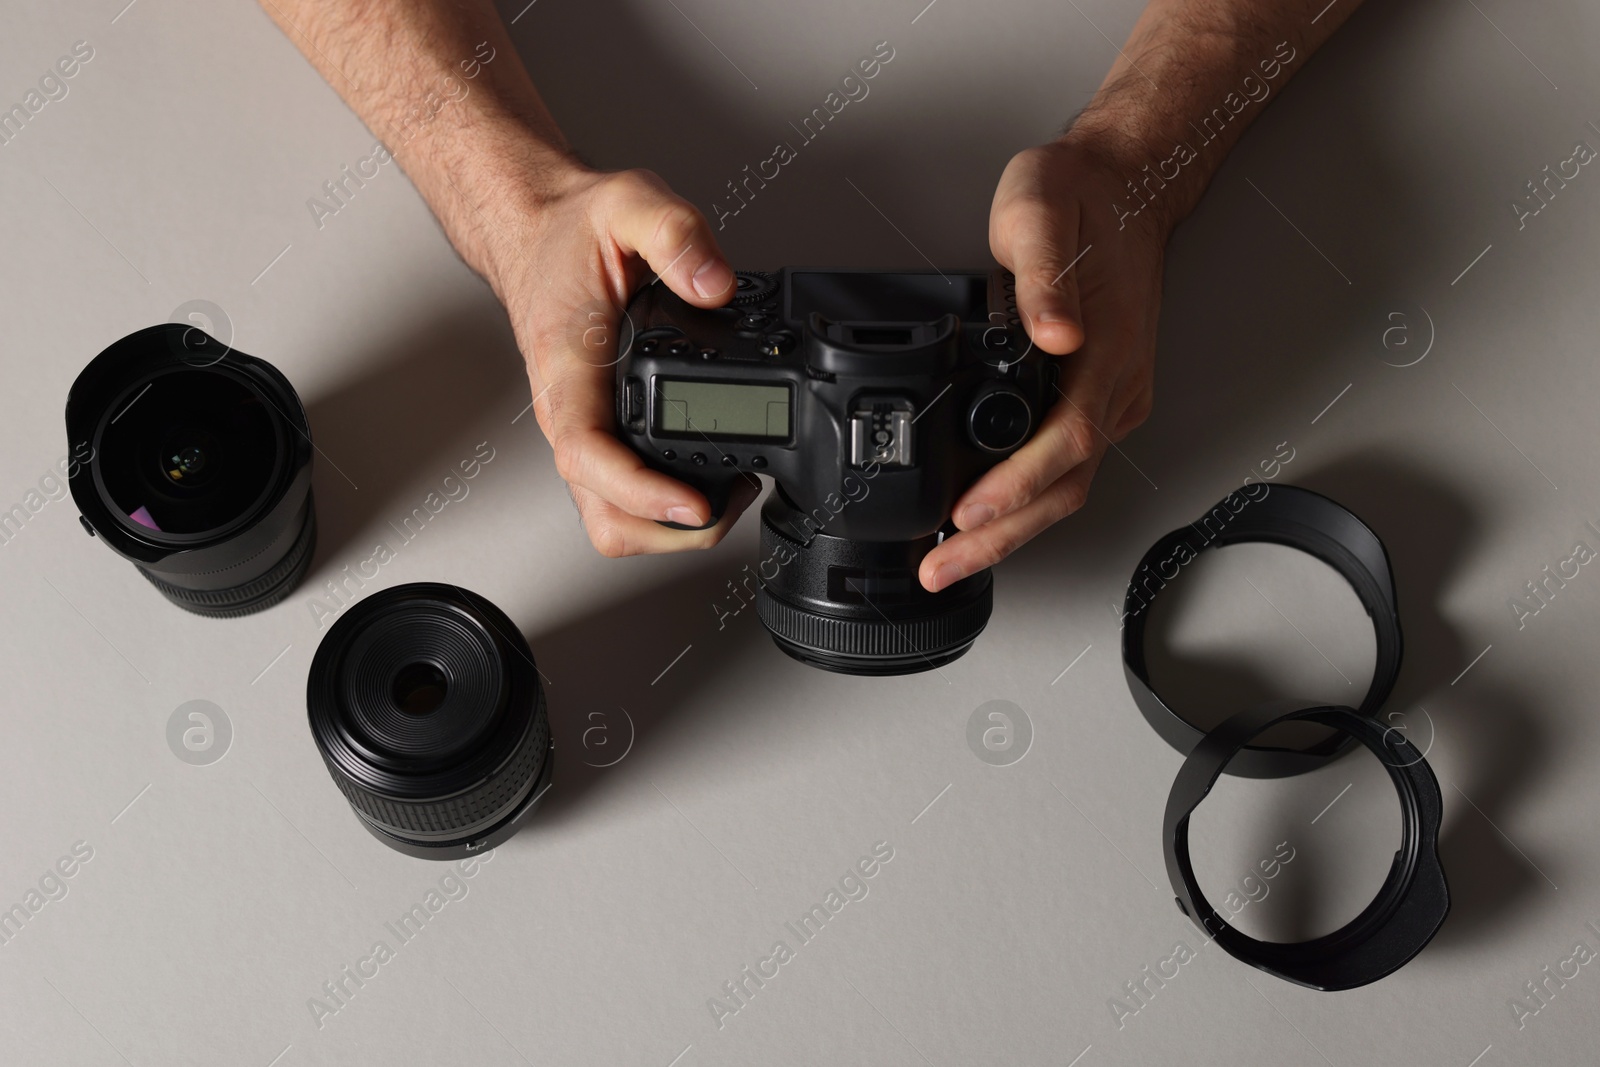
698	459
668	454
680	347
758	461
729	461
779	343
1000	420
708	353
648	346
755	320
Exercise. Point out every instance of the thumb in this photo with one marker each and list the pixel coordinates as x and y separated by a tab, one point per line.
649	220
1041	249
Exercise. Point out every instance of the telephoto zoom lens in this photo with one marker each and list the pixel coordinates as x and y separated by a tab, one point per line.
196	465
426	705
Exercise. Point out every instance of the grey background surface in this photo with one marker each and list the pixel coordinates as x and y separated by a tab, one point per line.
1021	898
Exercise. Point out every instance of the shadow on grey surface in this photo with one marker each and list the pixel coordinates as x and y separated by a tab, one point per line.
1428	529
1491	879
612	682
389	435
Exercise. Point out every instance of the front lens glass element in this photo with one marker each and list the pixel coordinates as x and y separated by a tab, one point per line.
188	452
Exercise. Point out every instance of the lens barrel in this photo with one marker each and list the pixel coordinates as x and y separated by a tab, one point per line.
856	607
194	462
426	706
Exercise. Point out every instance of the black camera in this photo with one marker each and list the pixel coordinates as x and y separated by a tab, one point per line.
873	399
200	468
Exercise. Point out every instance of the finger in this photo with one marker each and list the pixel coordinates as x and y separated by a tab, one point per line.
648	219
1038	243
1070	434
616	533
1131	414
970	551
575	411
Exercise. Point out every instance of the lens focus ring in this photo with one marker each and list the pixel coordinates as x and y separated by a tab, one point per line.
464	814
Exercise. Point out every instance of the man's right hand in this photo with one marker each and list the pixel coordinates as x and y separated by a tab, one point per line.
565	275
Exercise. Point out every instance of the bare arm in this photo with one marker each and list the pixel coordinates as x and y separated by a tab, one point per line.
563	245
1084	220
1199	72
395	62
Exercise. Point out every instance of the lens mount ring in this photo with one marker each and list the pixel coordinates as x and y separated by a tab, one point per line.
1284	515
1407	911
436	777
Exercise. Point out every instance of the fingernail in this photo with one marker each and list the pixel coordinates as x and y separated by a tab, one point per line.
712	279
684	517
1052	316
975	515
947	574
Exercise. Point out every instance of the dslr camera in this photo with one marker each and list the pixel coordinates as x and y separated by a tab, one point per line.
873	399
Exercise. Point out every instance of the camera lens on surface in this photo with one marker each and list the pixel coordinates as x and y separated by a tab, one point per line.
856	607
198	468
426	706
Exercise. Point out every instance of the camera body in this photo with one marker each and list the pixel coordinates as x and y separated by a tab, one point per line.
874	399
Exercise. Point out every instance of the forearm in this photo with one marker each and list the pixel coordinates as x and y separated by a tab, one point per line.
1191	77
441	86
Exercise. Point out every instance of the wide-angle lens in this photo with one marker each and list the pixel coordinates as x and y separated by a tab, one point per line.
199	468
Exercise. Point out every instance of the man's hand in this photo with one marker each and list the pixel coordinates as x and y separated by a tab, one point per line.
564	246
1089	293
565	273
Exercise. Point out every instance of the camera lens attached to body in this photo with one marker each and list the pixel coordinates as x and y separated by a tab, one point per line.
426	706
199	468
856	607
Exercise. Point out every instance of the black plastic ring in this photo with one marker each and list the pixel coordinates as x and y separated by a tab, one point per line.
1401	919
1284	515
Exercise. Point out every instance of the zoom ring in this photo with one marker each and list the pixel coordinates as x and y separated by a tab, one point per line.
466	812
874	637
254	595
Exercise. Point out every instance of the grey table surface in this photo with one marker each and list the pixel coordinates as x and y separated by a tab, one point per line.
1356	293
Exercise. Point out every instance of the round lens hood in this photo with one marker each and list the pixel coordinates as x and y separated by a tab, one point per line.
856	607
193	461
426	706
1276	514
1401	919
